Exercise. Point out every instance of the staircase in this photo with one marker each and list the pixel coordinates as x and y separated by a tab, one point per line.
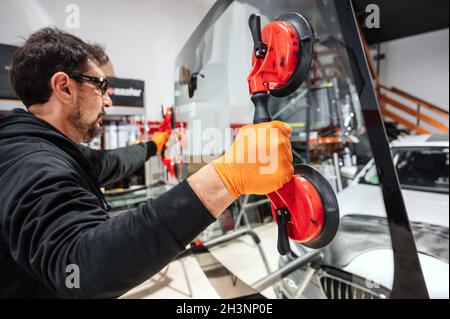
404	109
433	119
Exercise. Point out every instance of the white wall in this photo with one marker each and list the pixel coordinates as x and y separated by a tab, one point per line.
419	65
142	37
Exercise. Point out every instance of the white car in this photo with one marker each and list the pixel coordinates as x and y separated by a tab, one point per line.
359	262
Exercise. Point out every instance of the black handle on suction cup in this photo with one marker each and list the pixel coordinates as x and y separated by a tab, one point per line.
283	218
255	27
262	115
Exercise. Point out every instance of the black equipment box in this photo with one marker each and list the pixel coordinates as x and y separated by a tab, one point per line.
6	53
126	92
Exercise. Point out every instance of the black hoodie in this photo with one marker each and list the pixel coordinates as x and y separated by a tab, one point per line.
53	219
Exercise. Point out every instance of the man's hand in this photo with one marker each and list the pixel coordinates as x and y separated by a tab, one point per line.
259	162
160	139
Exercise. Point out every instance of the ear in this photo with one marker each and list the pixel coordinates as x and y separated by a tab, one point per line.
62	87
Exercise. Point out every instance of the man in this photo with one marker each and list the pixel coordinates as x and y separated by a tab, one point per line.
52	213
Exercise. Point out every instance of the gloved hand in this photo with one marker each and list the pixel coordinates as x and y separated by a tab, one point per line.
259	160
160	139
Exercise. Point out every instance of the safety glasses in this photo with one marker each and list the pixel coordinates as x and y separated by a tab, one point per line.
101	83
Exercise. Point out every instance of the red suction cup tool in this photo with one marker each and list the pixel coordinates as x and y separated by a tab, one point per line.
305	208
282	56
172	164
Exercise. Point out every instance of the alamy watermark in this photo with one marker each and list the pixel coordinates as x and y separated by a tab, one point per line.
252	146
73	276
371	284
372	20
73	16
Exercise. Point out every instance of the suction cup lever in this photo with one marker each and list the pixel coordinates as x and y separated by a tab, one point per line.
255	27
283	217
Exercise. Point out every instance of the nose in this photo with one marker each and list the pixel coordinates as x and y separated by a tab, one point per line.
107	102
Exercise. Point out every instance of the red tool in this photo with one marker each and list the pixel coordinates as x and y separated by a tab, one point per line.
172	164
305	208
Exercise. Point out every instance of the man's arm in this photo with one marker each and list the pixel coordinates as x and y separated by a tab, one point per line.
113	165
50	222
210	189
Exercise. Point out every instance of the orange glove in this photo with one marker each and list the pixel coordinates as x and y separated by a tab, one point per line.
259	161
160	139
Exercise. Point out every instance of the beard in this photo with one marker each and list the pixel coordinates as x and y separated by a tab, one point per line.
88	130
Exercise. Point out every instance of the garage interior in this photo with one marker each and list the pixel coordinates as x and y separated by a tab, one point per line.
370	118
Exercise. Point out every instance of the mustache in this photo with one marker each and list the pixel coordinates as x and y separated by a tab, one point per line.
102	113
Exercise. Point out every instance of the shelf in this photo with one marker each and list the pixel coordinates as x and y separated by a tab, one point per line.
8	105
125	110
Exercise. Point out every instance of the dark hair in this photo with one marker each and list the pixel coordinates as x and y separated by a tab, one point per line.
44	53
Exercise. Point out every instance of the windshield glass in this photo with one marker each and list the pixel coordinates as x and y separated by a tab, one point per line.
418	168
329	134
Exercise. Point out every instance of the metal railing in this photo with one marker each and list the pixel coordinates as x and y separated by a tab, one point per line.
398	100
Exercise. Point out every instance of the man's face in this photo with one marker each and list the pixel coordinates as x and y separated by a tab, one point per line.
88	111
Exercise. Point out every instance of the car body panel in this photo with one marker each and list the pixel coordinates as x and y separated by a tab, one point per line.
428	213
368	265
425	207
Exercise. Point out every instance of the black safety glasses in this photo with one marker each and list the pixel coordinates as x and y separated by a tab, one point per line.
101	83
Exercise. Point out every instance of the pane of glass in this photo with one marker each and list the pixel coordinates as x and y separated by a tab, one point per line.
327	108
211	91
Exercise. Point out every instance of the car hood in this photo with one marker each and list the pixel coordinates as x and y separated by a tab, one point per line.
358	234
362	246
422	207
377	267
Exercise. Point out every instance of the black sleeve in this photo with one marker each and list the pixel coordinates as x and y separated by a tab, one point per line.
113	165
52	222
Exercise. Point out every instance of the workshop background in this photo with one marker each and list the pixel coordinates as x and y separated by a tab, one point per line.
150	44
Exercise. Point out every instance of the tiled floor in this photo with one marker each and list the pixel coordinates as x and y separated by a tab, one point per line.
176	282
184	279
